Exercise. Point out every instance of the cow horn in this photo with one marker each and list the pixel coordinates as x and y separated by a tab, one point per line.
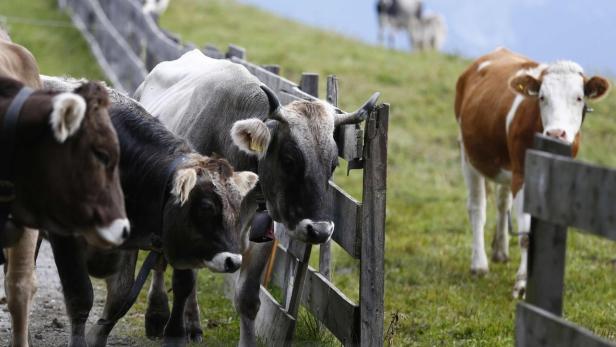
360	115
274	104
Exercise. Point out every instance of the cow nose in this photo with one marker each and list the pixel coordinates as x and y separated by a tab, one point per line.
232	264
557	134
317	232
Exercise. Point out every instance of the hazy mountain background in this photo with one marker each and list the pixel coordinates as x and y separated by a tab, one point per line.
546	30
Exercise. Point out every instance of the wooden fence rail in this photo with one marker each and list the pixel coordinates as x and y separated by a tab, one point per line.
559	192
128	44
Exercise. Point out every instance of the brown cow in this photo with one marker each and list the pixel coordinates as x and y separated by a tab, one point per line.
502	100
64	169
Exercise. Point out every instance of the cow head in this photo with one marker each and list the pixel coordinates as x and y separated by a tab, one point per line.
561	89
201	220
66	164
297	156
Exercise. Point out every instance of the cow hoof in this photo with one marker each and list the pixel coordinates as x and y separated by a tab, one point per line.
479	272
195	336
500	257
77	341
519	290
155	324
174	341
95	338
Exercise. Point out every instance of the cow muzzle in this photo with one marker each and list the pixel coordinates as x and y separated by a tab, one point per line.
558	134
314	232
109	236
224	262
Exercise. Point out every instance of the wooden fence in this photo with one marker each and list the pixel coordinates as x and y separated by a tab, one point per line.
559	192
128	43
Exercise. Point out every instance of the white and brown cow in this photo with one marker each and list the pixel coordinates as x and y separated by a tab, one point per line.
502	100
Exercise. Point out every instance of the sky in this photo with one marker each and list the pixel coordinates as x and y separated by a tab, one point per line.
545	30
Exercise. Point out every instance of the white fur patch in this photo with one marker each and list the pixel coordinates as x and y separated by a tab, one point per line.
535	72
251	136
245	181
513	110
217	264
68	112
483	65
185	181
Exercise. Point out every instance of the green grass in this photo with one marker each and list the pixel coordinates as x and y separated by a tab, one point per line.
428	285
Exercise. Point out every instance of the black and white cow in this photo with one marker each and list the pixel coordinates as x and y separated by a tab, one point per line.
180	202
221	108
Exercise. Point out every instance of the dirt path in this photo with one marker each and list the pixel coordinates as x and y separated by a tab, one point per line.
49	325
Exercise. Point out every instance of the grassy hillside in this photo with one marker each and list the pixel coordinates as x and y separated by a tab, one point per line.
428	285
428	236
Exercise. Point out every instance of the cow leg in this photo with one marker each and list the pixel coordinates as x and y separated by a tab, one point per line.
119	286
519	289
157	313
247	290
193	318
70	260
20	284
500	244
175	331
476	206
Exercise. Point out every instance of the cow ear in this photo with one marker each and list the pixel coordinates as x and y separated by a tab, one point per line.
252	136
245	181
185	181
525	85
596	87
68	112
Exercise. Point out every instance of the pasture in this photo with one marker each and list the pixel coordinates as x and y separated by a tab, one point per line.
431	298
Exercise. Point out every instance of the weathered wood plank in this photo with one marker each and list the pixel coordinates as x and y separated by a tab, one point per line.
331	307
310	84
273	68
547	248
372	289
347	213
275	82
273	324
235	51
212	52
539	328
121	65
570	192
146	38
325	251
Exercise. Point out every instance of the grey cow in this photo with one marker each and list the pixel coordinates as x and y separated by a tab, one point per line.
221	108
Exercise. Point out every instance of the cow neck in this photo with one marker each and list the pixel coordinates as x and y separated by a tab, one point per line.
8	136
164	195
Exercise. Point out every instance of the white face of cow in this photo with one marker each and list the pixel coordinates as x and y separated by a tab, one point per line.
561	90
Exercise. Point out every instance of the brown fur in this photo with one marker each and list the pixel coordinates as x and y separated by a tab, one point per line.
483	99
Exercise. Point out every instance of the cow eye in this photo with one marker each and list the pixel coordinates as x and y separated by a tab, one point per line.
542	98
579	99
102	157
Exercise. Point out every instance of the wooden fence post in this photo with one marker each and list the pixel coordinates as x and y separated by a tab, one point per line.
236	51
325	249
372	289
547	248
273	68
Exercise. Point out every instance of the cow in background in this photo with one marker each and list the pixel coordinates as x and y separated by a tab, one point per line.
155	8
502	100
426	31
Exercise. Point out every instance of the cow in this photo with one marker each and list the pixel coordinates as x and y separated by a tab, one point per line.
180	202
219	107
154	8
64	173
396	15
63	170
502	100
428	32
